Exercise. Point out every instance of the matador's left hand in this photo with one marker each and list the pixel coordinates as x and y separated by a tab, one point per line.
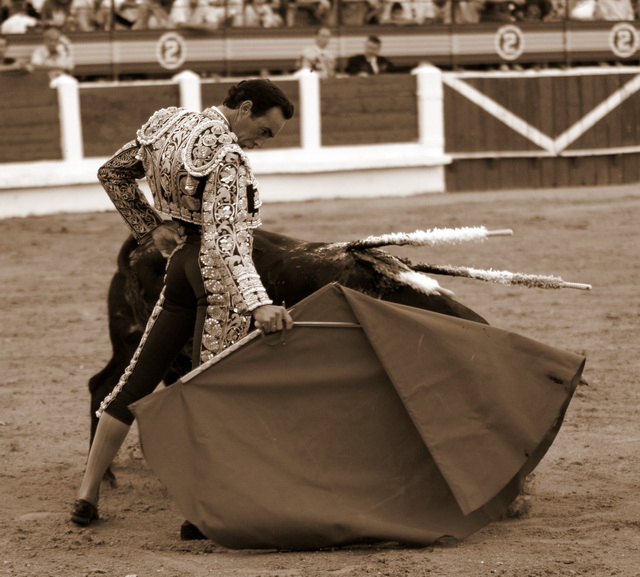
272	318
167	236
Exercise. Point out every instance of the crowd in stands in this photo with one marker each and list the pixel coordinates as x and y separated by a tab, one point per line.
20	16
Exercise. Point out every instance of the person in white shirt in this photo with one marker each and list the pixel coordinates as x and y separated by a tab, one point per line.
318	57
19	22
54	55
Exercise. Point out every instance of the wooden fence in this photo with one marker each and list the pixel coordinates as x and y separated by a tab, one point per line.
29	122
490	130
548	129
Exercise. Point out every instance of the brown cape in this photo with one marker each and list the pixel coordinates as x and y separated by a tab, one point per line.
410	427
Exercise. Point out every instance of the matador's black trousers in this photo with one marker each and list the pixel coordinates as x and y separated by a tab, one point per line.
178	316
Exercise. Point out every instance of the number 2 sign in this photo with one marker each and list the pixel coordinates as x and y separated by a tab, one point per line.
623	40
171	50
509	42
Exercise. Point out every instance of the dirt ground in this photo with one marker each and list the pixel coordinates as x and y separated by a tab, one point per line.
584	514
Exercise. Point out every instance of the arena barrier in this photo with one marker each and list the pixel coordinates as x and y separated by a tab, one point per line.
398	134
542	129
375	138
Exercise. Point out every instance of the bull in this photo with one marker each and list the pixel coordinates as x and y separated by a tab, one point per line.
291	269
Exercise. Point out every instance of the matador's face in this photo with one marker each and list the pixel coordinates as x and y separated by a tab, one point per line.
253	131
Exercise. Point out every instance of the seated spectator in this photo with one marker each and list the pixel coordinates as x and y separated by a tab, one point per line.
497	11
558	11
19	21
154	15
465	11
57	13
533	11
370	62
310	13
614	10
89	15
413	11
122	16
402	12
32	9
82	15
197	14
424	11
581	9
54	55
8	64
397	12
373	13
318	57
353	12
260	14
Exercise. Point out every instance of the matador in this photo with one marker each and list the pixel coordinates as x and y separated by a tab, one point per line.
205	207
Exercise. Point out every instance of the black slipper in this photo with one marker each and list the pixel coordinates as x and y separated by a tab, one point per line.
84	512
189	532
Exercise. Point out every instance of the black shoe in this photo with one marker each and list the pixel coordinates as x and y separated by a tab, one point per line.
189	532
84	512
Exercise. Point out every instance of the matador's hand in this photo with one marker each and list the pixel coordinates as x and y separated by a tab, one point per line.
272	318
167	237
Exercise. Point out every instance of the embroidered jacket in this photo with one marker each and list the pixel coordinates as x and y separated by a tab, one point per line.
197	173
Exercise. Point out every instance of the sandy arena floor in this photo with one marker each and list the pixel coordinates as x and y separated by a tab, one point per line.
584	516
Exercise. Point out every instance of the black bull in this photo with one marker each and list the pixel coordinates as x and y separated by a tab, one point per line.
291	269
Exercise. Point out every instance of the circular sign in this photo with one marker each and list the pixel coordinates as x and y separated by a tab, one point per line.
509	42
623	40
171	50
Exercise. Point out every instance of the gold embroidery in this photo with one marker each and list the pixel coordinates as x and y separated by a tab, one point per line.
229	275
160	123
197	172
118	177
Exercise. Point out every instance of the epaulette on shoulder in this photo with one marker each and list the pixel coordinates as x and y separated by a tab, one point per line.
160	122
209	142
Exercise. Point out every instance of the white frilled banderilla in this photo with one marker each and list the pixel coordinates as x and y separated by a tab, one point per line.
442	236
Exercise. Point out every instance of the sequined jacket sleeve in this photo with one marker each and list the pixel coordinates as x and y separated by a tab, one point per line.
118	177
230	213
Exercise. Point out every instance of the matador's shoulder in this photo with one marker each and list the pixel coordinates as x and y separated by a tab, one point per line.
205	138
161	122
209	143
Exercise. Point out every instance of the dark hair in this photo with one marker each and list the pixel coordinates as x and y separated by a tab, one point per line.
373	38
264	95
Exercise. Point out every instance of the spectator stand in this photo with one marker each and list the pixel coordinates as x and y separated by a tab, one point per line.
150	39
